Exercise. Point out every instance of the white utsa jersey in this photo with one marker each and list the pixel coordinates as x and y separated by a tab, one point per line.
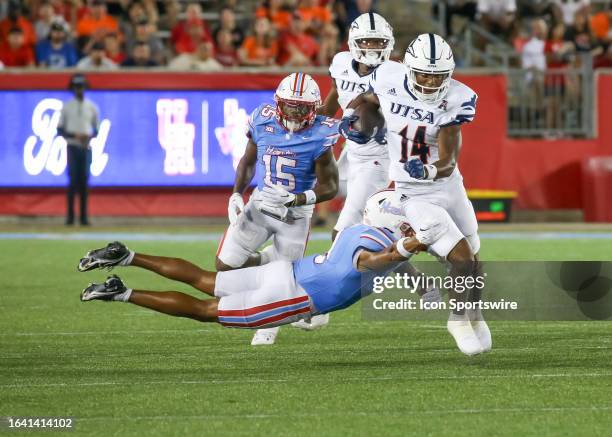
350	84
412	125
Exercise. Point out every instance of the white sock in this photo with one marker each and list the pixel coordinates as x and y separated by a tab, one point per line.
128	260
458	317
123	297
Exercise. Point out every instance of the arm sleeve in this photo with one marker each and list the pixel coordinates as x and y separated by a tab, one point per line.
251	131
463	113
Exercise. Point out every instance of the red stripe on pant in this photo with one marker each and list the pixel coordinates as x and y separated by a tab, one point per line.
254	310
267	320
221	244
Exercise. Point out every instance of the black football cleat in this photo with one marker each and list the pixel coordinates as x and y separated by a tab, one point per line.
105	291
106	257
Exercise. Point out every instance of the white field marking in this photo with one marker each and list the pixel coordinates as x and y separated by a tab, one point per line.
362	324
102	333
435	411
247	352
315	236
267	381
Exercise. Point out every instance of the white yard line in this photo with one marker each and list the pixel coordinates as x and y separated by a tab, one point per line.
268	381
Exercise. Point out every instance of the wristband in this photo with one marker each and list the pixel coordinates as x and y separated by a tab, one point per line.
401	249
432	171
311	197
348	112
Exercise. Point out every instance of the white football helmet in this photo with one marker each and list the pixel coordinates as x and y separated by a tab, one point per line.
370	26
297	99
384	210
429	54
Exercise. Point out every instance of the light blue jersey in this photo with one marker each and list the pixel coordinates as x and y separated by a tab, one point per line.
332	280
285	158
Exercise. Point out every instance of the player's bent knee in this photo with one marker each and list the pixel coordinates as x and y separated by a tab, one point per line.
461	253
474	242
207	310
221	266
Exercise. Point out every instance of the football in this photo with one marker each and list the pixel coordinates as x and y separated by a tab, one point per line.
370	120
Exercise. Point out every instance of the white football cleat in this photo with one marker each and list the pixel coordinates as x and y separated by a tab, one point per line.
263	337
460	328
481	329
316	322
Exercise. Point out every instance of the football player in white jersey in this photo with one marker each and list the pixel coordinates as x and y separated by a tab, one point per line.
424	109
363	166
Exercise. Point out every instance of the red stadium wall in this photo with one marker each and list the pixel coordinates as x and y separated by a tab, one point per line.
546	174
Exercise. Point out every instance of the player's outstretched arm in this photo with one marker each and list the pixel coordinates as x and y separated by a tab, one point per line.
246	168
390	256
449	143
331	105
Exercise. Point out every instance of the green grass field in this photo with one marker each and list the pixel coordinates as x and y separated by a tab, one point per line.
121	370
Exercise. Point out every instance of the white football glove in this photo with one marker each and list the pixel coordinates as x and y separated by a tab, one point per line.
235	207
279	212
277	195
430	232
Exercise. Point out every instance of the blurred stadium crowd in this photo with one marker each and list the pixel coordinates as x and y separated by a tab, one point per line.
98	34
211	34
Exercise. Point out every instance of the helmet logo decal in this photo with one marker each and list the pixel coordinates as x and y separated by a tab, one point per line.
389	208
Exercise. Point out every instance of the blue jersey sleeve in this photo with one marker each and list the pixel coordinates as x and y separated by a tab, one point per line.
259	116
375	239
328	129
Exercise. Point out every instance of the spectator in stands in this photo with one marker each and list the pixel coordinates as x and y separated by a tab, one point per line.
144	33
533	56
15	19
604	60
533	60
136	13
187	34
169	18
227	21
463	8
569	8
558	55
69	10
226	54
112	47
140	57
317	18
260	48
14	52
329	44
96	24
601	26
96	60
277	12
297	48
46	16
579	33
497	16
56	52
201	60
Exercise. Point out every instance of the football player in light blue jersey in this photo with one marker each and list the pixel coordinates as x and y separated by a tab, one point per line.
291	147
280	292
